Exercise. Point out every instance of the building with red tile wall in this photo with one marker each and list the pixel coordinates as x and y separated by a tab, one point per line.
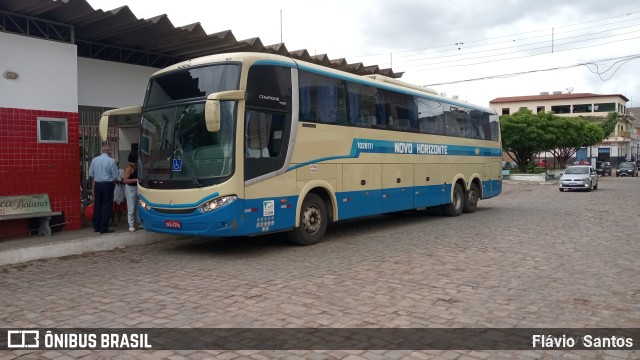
46	88
52	82
29	167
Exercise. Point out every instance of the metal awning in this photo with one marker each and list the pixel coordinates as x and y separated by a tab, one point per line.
118	35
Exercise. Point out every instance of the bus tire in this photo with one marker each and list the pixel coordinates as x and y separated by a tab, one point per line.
313	221
457	202
471	198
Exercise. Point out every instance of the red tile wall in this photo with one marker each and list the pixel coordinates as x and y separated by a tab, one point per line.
29	167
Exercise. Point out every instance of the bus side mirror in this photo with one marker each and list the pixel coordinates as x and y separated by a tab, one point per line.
212	107
103	126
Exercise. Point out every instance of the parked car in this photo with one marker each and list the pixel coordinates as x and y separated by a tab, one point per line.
509	165
578	177
627	169
603	168
541	163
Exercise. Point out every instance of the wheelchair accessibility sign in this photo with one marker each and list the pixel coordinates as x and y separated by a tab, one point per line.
177	165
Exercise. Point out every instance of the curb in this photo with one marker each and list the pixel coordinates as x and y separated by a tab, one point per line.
79	246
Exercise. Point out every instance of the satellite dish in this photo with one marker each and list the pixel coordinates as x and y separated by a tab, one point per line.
569	90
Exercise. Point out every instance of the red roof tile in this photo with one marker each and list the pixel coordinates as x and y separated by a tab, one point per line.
550	97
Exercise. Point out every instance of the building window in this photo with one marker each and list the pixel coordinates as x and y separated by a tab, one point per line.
540	109
505	111
561	109
52	130
582	108
605	107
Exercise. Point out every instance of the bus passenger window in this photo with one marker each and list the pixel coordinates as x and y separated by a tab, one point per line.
366	108
322	99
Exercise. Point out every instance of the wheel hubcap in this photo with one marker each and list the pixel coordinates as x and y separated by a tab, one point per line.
311	219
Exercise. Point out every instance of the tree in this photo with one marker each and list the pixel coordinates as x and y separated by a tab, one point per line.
525	134
571	134
609	124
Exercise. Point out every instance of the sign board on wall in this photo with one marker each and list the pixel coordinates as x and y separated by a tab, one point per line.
24	204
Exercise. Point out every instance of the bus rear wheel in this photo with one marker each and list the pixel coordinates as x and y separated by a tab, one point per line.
457	202
313	221
471	198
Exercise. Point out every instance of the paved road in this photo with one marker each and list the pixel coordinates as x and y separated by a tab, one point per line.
533	257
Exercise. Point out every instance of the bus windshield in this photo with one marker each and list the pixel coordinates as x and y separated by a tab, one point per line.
176	149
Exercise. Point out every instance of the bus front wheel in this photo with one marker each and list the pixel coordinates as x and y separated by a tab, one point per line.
457	202
313	221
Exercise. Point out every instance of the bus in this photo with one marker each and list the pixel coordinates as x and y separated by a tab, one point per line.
243	144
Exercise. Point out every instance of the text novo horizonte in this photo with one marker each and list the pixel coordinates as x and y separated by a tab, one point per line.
423	149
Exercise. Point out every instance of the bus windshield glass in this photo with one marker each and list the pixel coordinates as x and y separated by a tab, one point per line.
193	83
176	149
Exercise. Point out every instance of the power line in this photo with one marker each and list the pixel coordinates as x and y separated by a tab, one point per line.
523	45
622	60
464	47
492	38
531	49
526	56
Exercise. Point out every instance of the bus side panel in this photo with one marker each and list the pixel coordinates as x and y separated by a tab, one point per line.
429	188
361	195
270	205
397	187
494	181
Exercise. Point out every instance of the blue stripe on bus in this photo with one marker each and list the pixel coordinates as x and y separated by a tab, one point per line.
359	146
248	216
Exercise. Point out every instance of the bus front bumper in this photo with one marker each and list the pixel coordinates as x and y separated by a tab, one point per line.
226	221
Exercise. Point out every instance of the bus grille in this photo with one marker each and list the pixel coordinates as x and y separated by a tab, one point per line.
174	211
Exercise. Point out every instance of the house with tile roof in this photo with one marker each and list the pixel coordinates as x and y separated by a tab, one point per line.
621	144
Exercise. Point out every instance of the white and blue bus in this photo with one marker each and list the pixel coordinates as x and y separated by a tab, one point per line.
250	143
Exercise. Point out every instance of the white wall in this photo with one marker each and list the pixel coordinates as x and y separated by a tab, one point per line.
111	84
533	105
46	71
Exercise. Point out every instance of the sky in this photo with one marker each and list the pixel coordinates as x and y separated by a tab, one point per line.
465	48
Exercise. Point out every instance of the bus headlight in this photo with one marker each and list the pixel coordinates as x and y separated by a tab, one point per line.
144	205
217	203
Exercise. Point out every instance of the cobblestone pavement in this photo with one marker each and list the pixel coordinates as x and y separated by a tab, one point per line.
533	257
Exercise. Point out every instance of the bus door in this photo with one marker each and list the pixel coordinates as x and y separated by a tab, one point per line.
267	122
267	129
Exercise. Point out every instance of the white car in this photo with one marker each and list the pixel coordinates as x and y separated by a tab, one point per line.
579	177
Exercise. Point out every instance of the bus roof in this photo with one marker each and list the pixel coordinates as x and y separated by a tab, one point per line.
249	58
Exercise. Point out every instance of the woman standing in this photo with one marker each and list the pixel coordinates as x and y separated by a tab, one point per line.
131	190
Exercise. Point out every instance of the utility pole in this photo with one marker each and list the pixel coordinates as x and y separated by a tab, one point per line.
281	26
552	36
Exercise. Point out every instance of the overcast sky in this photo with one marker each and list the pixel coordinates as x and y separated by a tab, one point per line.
438	42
